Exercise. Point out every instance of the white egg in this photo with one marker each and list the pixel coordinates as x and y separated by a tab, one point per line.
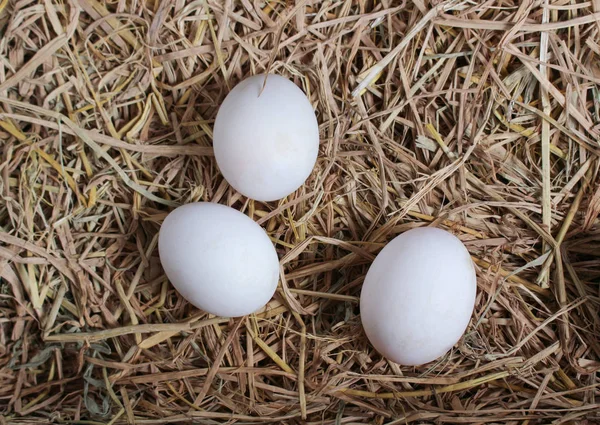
219	259
418	296
266	143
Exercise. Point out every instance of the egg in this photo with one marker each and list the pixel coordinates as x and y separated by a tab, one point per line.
266	140
218	259
418	296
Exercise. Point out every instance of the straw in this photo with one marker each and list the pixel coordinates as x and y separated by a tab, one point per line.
480	118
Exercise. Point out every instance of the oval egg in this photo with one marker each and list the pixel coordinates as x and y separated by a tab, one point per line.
219	259
266	139
418	296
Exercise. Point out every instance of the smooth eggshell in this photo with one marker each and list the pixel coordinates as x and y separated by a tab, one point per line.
266	144
418	296
219	259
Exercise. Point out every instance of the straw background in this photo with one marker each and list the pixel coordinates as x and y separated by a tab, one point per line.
482	118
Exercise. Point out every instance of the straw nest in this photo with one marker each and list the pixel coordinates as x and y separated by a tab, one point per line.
482	119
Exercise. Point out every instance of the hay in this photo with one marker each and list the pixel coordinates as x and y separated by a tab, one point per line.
483	119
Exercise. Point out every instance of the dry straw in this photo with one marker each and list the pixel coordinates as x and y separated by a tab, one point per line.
482	118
